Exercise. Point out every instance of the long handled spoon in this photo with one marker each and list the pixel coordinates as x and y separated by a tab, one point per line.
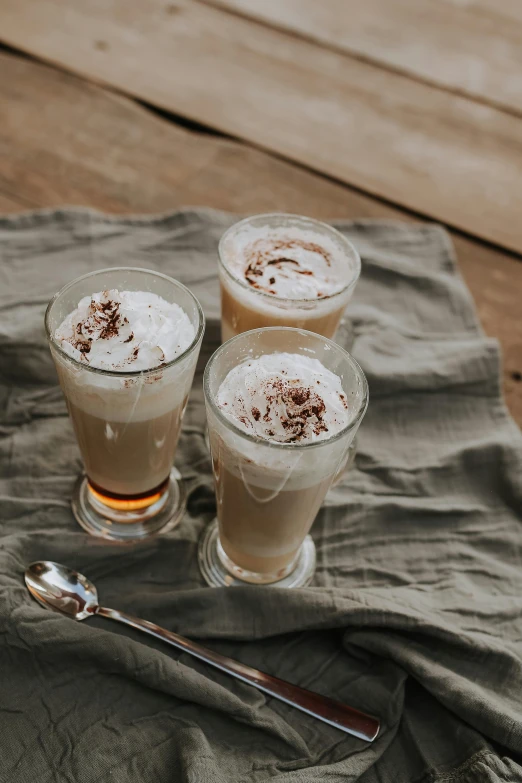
63	590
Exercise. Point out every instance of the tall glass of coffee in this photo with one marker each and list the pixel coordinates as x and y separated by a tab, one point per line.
283	406
285	270
125	343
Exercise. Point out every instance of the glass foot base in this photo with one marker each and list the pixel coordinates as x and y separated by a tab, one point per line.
100	520
216	574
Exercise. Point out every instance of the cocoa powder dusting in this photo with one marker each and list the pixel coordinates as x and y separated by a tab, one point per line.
82	344
303	408
103	320
111	317
260	259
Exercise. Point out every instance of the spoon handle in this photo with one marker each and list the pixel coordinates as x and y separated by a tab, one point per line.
343	717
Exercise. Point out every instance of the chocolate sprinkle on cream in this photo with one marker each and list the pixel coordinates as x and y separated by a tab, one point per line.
285	387
302	408
260	256
125	330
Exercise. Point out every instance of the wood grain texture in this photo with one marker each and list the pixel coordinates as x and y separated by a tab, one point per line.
65	141
9	204
470	48
414	145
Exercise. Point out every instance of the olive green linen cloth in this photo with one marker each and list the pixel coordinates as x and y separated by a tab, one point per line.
415	612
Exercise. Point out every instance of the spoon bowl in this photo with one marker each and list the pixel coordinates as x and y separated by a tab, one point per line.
61	589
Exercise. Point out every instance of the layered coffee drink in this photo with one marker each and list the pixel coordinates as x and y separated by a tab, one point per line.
285	270
280	425
125	360
265	510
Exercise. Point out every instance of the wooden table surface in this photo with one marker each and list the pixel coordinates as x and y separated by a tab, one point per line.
410	109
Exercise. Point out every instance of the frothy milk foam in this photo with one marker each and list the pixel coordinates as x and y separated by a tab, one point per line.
124	332
284	399
287	262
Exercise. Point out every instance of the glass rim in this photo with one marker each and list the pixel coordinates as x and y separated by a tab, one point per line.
282	299
354	365
133	373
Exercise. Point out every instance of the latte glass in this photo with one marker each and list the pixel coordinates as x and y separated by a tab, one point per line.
268	493
244	307
127	423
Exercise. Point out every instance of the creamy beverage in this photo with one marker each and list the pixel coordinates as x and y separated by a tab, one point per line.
128	429
267	506
127	460
285	270
255	531
280	425
125	359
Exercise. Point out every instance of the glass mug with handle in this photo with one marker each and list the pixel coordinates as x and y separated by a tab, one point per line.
127	421
270	481
285	270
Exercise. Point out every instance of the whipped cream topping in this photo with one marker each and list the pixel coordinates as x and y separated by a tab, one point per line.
285	398
125	331
288	262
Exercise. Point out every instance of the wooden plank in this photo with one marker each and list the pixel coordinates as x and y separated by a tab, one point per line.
470	48
69	142
414	145
512	9
10	204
